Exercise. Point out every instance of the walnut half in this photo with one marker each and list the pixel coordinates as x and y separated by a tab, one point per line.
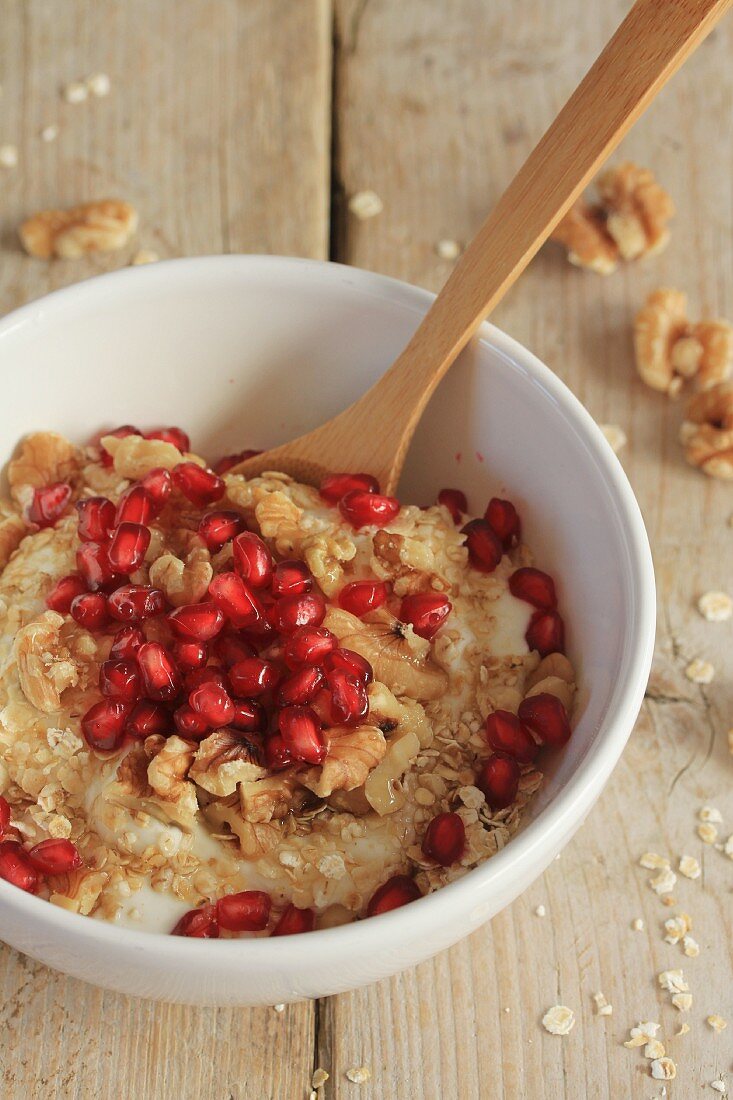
707	432
104	226
670	349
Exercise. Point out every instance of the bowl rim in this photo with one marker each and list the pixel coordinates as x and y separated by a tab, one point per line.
554	823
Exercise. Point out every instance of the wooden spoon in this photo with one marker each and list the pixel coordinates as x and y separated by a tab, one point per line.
373	434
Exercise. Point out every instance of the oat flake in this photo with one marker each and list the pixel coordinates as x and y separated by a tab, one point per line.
637	924
654	1049
319	1078
448	249
144	256
540	911
689	867
716	607
359	1075
663	1069
8	156
719	1086
664	882
642	1034
673	981
682	1030
691	947
75	92
615	435
365	204
682	1001
710	813
99	84
700	672
707	832
717	1023
558	1020
49	133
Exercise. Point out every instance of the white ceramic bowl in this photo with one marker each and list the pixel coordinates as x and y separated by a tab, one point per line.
251	351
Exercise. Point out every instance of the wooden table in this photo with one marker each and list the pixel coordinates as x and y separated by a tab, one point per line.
243	126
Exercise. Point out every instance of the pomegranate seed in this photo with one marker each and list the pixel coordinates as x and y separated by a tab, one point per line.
547	718
427	612
252	559
16	868
134	602
455	501
197	622
483	545
290	578
230	648
546	633
308	646
4	814
96	519
445	839
505	733
103	725
291	612
503	518
534	587
198	924
201	676
293	921
49	503
161	679
213	703
300	688
198	485
135	506
498	778
227	461
126	643
128	547
93	564
119	433
55	857
218	528
64	592
349	700
90	610
249	716
351	662
158	484
248	911
253	677
190	655
396	891
277	754
148	717
190	724
120	680
361	597
176	436
362	509
336	486
232	596
301	732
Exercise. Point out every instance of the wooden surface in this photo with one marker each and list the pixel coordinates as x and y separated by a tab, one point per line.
218	129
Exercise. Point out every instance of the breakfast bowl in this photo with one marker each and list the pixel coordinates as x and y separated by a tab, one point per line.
250	352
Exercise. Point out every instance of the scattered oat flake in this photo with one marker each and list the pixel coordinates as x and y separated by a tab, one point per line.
707	832
673	981
682	1001
49	133
75	92
691	947
689	867
728	847
615	436
682	1030
448	249
8	156
663	1069
603	1008
653	862
664	882
540	911
677	927
144	256
717	1023
99	84
637	924
654	1049
719	1086
558	1020
700	672
279	1008
365	204
716	607
359	1075
319	1078
710	813
643	1033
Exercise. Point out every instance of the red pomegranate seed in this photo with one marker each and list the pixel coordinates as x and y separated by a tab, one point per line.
93	564
291	612
227	461
362	509
197	622
252	559
503	518
96	519
534	587
147	718
119	433
308	646
349	700
128	547
546	633
4	815
336	486
49	503
213	703
505	733
218	528
126	643
200	924
158	484
190	723
135	506
201	676
176	436
547	718
198	485
277	754
134	602
232	596
361	597
64	592
445	839
103	725
289	578
16	868
455	501
189	655
301	732
248	911
396	891
120	680
483	545
161	680
249	716
427	611
90	610
300	688
253	676
55	857
498	778
230	648
293	921
351	662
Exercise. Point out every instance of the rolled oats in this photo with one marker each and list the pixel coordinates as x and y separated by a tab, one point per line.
559	1020
716	607
365	204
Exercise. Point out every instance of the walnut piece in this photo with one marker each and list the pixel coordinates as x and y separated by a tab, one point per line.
12	531
669	348
707	431
223	760
134	456
104	226
583	232
183	582
263	799
45	667
78	891
43	457
353	752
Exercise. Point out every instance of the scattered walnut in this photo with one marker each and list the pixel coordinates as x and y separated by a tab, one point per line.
707	431
104	226
223	760
588	243
183	582
353	752
45	667
670	349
